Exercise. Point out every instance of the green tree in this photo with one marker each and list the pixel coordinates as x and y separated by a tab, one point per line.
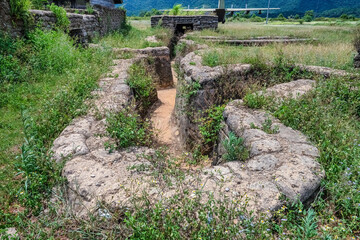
281	17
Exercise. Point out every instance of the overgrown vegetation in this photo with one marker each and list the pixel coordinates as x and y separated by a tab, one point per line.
235	148
47	79
128	129
209	127
329	50
62	21
20	8
135	37
255	100
357	39
140	81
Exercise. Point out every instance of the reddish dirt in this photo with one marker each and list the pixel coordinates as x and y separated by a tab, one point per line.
163	121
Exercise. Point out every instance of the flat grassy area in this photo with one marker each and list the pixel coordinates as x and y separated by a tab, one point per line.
332	47
136	37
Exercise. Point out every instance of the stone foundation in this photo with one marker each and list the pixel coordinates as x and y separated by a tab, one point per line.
82	26
183	23
357	61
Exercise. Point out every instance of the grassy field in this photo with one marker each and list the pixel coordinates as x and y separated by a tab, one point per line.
46	80
333	45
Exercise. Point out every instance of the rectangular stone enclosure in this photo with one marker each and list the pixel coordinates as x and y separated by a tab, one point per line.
183	23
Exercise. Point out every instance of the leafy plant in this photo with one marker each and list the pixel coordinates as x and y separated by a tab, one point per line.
308	227
62	21
235	148
176	10
143	86
20	8
211	59
89	8
127	129
40	172
255	100
190	89
209	126
267	126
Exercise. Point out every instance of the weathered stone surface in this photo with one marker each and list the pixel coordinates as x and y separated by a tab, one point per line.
292	89
214	86
8	23
357	61
280	163
324	71
82	26
151	39
197	23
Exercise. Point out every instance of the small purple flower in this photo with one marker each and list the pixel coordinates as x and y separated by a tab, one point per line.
284	219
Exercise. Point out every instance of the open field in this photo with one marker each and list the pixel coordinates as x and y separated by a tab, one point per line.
55	79
332	47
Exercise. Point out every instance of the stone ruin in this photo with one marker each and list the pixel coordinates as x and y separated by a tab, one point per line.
82	26
280	164
357	60
180	24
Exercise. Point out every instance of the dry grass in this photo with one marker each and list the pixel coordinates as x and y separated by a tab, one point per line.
333	48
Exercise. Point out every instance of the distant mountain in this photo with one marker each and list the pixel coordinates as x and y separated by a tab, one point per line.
287	6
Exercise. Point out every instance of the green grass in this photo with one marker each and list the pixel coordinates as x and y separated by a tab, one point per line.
47	79
58	78
333	46
134	37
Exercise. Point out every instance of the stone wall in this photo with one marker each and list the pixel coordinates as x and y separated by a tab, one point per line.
8	23
84	26
357	60
196	23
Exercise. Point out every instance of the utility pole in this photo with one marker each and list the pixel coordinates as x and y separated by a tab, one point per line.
267	14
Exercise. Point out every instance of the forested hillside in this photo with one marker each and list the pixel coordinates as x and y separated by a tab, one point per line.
290	6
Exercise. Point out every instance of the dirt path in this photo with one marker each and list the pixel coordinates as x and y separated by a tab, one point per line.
163	120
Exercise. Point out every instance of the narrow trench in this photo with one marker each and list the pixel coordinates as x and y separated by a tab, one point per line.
163	121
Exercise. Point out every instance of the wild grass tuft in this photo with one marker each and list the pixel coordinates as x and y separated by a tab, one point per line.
235	148
128	129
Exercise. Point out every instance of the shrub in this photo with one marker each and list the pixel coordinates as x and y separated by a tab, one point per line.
176	10
281	17
210	125
20	8
143	86
211	59
127	129
255	100
235	148
11	69
89	8
189	90
62	21
52	51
